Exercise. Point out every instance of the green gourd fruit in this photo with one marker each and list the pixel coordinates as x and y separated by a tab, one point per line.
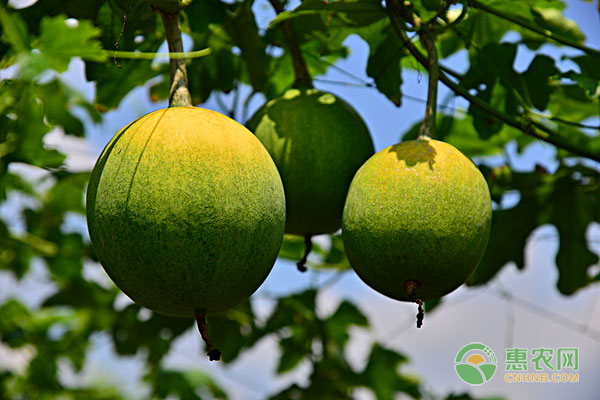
318	142
186	211
417	220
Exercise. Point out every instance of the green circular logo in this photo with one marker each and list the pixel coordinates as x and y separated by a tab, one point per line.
475	363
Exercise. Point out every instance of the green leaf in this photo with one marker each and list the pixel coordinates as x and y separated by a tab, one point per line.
242	28
381	374
512	227
57	100
13	322
115	79
573	211
589	77
293	351
554	21
68	193
568	200
233	330
353	12
59	42
346	315
491	76
24	139
292	247
184	385
571	102
537	79
14	31
433	304
383	64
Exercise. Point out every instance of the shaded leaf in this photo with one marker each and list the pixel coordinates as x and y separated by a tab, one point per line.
383	64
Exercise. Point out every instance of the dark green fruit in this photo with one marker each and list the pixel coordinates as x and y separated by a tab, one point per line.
186	211
318	142
418	213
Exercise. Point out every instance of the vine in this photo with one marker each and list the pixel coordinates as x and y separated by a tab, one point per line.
526	125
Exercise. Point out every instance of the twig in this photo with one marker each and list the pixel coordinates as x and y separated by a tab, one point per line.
515	19
526	126
427	128
301	73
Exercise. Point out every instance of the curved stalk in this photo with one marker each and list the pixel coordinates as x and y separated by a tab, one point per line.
427	128
179	95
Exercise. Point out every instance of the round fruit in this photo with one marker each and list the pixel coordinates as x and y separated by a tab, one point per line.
318	142
186	211
418	214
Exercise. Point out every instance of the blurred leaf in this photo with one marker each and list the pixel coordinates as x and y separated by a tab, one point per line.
13	320
68	193
14	31
338	325
167	383
589	77
571	102
232	330
537	79
381	373
572	212
554	21
293	351
114	80
60	41
566	199
490	74
466	396
433	304
354	12
24	135
57	100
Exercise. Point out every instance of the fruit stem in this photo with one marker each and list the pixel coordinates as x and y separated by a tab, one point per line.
427	129
213	354
307	248
411	289
179	94
303	79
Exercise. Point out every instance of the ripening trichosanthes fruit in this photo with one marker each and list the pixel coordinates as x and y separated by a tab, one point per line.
417	220
186	211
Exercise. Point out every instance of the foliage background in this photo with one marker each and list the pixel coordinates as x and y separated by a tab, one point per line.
62	323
